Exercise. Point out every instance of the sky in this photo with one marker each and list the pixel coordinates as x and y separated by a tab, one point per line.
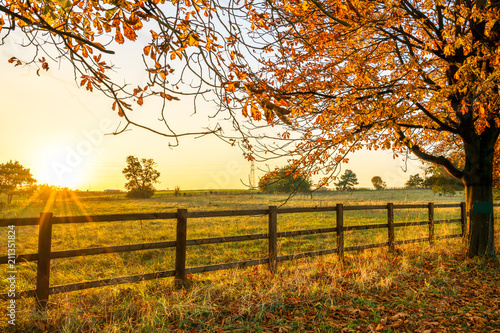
64	135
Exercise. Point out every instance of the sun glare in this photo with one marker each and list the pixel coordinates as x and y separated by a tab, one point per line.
60	167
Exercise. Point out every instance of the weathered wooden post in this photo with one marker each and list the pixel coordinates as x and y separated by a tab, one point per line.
431	223
390	227
43	265
340	231
463	219
273	238
180	249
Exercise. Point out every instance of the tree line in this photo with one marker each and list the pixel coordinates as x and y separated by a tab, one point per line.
141	175
15	179
287	180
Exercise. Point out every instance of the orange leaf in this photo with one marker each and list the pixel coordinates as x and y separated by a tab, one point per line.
119	37
169	97
255	112
230	87
244	110
192	40
130	33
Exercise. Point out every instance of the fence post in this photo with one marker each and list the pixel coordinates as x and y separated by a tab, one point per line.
431	223
180	249
273	238
43	265
463	219
390	226
340	231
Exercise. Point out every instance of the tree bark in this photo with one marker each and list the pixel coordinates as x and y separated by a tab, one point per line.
478	181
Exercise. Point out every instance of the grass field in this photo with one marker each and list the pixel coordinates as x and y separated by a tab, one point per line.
372	290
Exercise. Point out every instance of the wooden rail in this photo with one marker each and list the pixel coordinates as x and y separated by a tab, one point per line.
46	221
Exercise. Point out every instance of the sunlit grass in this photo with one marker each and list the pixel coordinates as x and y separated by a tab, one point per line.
311	295
88	235
240	299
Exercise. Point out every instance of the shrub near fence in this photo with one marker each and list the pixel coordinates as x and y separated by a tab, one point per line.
46	221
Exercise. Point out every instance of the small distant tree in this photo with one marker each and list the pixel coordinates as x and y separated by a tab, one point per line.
15	179
378	183
415	181
284	180
177	191
141	176
45	191
347	181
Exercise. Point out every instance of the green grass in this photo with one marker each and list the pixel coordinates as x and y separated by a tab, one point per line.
301	297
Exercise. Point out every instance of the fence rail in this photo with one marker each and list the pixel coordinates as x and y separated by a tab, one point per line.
46	221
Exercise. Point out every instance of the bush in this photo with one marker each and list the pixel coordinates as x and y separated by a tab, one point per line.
140	193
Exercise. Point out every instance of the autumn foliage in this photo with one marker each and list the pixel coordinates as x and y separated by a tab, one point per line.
418	77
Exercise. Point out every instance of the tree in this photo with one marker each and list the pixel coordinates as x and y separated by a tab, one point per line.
284	180
378	183
347	181
333	77
412	76
446	185
141	176
15	179
441	182
415	181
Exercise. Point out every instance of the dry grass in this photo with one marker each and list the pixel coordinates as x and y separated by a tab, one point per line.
416	290
370	291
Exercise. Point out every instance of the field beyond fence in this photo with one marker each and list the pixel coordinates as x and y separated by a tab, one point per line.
45	256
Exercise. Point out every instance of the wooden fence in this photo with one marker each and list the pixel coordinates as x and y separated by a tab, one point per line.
47	220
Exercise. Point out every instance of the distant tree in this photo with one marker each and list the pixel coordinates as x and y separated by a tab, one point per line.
347	181
177	191
378	183
15	179
441	182
46	192
447	185
415	181
141	176
284	180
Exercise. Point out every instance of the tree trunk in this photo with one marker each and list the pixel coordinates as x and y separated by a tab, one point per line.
478	181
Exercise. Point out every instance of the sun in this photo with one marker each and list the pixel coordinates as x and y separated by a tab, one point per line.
59	166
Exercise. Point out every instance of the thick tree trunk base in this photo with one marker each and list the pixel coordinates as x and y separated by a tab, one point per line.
481	242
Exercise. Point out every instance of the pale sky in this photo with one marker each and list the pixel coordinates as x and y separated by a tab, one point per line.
59	131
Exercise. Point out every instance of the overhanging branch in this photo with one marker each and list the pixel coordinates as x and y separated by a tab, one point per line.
54	30
441	160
